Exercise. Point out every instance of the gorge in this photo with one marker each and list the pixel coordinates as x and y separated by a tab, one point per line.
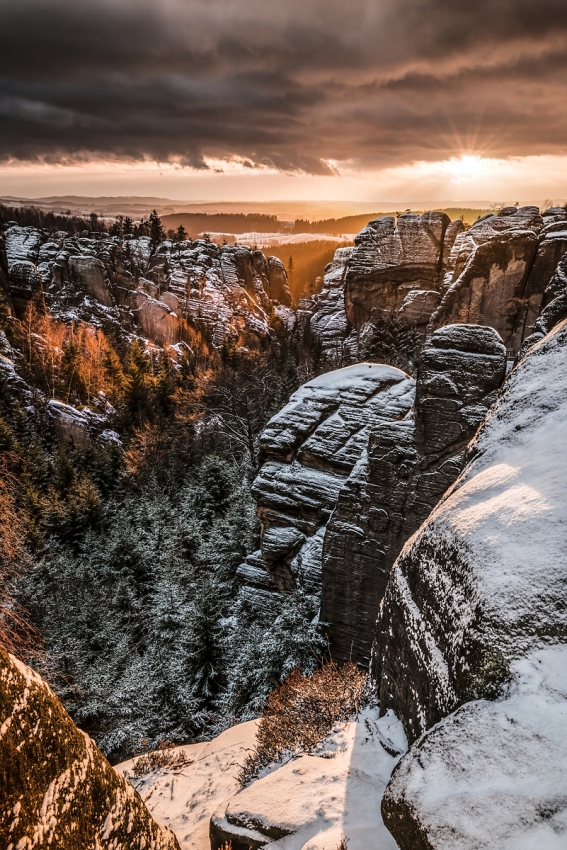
413	514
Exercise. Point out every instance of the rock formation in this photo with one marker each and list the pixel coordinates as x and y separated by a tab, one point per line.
56	787
308	450
392	258
428	272
475	609
402	473
228	293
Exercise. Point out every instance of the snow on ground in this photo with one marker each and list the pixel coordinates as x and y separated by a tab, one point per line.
185	800
265	240
317	799
494	774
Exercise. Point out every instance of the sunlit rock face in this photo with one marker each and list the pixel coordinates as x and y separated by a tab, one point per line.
426	272
227	293
475	610
401	475
56	787
308	450
498	271
390	259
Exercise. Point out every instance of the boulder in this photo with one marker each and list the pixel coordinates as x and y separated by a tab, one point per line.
307	452
402	473
71	425
492	774
56	787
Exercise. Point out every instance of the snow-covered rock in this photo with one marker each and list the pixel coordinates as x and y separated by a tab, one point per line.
493	774
476	600
56	788
226	292
309	803
308	450
402	473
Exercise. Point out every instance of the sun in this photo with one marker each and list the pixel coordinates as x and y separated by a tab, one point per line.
467	168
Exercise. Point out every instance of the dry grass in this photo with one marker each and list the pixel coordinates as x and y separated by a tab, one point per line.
301	712
164	758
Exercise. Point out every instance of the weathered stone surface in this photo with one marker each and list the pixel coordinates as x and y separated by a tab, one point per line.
90	274
56	787
329	323
475	612
400	477
308	449
554	307
390	259
278	289
70	425
224	291
484	582
493	774
430	272
498	271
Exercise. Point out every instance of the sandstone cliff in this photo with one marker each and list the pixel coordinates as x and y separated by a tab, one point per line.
308	450
474	610
228	293
401	475
56	787
426	272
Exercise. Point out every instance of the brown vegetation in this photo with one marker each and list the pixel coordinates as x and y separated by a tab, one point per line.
164	758
301	712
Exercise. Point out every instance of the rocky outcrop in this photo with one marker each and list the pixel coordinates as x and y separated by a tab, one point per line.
228	292
472	603
498	271
56	787
427	272
474	589
493	774
402	473
391	258
554	306
308	450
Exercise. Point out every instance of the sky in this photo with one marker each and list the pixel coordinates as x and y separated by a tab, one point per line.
369	100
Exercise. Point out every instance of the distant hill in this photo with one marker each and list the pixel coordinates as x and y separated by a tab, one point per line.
195	223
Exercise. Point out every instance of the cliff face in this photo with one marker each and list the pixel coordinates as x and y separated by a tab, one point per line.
390	259
228	293
475	609
403	472
427	272
308	450
56	787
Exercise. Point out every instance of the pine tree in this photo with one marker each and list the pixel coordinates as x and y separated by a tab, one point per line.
181	234
138	383
157	233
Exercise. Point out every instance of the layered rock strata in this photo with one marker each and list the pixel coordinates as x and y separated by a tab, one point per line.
475	610
483	582
308	450
227	292
56	787
401	475
427	272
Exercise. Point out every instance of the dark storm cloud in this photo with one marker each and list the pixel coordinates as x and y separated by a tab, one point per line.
289	84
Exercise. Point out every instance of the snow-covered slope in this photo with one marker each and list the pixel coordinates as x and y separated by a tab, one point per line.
309	803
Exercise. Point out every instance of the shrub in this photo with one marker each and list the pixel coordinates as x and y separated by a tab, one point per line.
164	758
302	711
